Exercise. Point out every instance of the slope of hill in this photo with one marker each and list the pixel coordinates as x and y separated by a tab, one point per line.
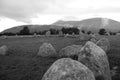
93	24
32	28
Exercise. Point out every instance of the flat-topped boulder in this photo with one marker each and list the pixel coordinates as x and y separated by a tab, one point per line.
47	50
96	60
68	69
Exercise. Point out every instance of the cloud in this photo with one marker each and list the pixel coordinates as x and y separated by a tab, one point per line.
25	10
6	23
79	7
22	9
67	18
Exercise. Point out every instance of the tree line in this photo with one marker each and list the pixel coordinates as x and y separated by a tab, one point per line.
52	31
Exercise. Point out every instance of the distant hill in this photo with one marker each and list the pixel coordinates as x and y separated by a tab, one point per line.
92	24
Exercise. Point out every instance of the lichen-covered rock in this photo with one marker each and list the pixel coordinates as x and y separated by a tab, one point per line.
47	50
70	51
68	69
96	60
3	50
104	44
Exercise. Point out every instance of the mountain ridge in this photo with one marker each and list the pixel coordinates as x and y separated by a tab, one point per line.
93	23
90	24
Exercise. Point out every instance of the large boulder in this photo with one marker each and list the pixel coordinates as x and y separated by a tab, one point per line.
47	50
3	50
104	44
70	51
96	60
68	69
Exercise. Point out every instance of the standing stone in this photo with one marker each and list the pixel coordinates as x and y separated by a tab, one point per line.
104	44
34	35
67	35
61	34
70	51
93	40
4	37
48	33
47	50
96	60
68	69
81	33
73	34
81	36
84	37
118	34
3	50
92	36
114	71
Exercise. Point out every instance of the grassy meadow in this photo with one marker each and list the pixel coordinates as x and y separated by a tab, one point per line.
23	63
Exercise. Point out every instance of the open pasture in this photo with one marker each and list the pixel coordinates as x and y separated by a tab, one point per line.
22	62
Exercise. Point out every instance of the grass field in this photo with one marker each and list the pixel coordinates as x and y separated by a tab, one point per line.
22	62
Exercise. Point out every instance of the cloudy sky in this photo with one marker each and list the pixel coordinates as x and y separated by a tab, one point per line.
18	12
